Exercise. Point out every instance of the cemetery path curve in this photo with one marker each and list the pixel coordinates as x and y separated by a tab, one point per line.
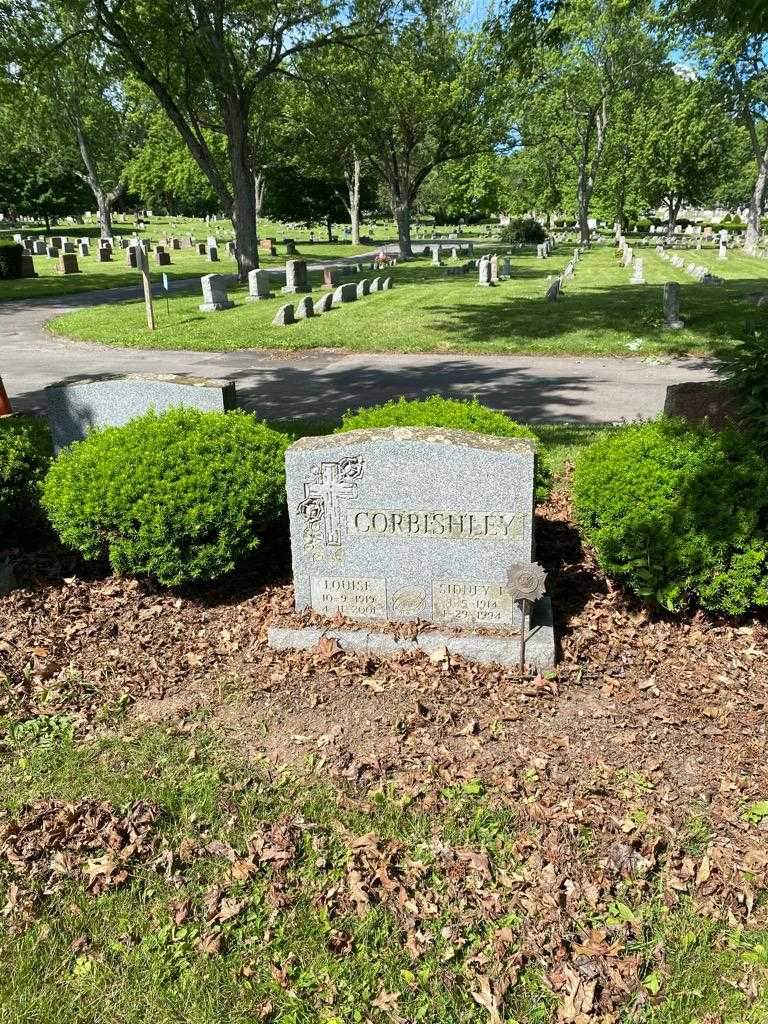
323	383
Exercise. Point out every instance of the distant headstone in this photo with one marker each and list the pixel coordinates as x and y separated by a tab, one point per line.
324	303
28	266
105	255
201	249
52	252
214	294
81	404
296	277
213	254
176	243
722	253
672	319
437	251
163	258
638	277
68	247
67	264
330	277
284	315
345	293
386	284
258	286
484	272
506	267
268	245
363	287
494	263
84	248
553	290
304	308
39	247
376	284
411	524
290	246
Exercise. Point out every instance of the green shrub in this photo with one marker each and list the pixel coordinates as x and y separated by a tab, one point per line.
10	259
527	230
744	367
182	496
678	513
449	413
25	452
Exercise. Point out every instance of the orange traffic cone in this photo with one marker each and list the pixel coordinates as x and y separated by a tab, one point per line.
5	405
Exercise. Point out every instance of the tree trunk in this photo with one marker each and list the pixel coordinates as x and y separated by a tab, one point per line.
673	209
244	200
105	214
329	227
401	210
353	183
752	239
583	196
259	188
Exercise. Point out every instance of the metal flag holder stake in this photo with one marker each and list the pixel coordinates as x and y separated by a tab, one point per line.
526	585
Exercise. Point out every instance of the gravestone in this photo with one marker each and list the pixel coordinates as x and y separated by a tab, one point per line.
52	252
409	524
132	256
176	243
258	286
78	405
722	253
638	277
345	293
296	277
376	284
324	303
494	262
436	255
553	290
290	246
68	247
163	258
506	267
363	287
105	255
268	245
67	264
305	309
672	319
484	273
84	249
386	284
214	294
213	254
39	247
330	277
28	266
284	315
201	249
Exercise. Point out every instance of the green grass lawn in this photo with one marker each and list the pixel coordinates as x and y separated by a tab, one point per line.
427	311
203	931
185	263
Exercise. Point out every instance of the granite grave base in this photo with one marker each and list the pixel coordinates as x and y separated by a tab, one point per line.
474	647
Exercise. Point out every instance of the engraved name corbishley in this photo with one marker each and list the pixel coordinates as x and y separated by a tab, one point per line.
329	484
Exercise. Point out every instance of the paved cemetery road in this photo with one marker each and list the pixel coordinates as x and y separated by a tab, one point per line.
322	383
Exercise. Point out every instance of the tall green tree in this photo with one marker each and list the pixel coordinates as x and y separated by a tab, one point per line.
422	96
70	102
588	55
737	58
205	60
684	136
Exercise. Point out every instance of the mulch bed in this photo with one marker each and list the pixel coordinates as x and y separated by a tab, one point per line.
648	721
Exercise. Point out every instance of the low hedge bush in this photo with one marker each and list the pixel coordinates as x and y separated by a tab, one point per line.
10	259
183	496
449	413
678	513
527	230
25	453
